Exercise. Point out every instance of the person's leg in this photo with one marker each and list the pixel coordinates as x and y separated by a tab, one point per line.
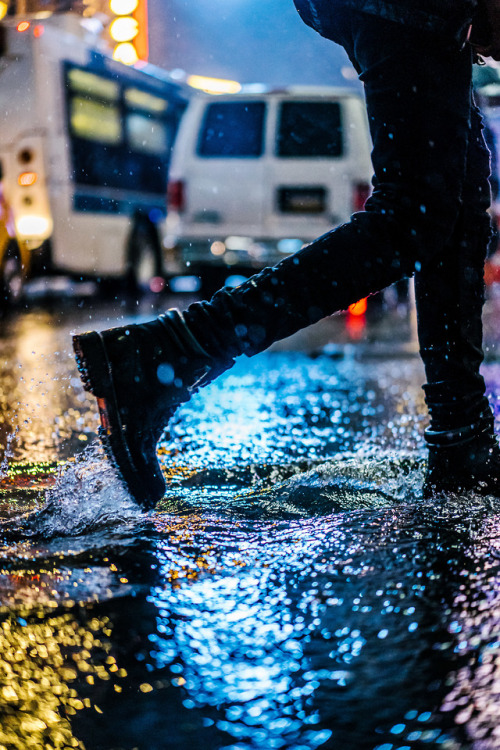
449	293
463	452
418	105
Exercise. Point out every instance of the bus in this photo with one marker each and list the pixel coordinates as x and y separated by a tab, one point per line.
84	152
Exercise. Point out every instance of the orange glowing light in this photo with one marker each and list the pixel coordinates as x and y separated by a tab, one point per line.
358	308
38	30
26	179
23	26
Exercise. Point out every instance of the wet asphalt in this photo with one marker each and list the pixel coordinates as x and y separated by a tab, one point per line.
291	590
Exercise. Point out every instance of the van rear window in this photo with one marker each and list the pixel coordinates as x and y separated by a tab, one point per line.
310	129
233	130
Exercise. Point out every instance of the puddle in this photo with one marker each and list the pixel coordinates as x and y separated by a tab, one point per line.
292	589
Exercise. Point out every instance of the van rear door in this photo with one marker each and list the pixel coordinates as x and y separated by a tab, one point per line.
308	185
224	187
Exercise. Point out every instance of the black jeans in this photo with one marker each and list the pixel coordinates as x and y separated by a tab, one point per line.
427	216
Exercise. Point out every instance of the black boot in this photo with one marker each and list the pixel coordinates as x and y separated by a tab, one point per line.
467	462
139	375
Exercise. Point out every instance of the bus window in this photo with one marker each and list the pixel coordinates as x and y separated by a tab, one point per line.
95	121
146	135
137	99
120	134
92	85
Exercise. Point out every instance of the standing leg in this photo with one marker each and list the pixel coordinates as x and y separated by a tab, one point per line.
450	294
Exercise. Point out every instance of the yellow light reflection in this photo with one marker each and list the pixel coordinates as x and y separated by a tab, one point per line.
33	387
189	561
214	85
41	660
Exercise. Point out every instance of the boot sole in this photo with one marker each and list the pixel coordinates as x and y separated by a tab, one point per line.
96	375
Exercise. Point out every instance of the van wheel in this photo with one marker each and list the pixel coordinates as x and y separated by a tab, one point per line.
11	277
145	268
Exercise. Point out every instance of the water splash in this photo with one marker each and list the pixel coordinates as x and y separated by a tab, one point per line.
345	483
8	454
87	495
352	483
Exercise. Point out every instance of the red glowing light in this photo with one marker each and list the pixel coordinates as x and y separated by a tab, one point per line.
358	308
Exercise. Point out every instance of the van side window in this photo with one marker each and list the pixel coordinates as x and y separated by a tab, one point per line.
233	130
310	129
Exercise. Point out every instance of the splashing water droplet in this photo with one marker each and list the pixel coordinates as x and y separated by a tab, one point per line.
87	495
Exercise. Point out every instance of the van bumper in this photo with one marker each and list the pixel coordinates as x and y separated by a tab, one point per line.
230	252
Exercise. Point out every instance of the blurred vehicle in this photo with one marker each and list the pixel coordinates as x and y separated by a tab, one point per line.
86	144
14	256
254	176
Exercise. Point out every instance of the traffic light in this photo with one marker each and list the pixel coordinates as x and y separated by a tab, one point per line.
129	30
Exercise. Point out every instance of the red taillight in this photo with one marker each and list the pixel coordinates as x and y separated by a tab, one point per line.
358	308
176	198
361	193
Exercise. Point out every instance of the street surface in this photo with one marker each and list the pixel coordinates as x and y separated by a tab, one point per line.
292	589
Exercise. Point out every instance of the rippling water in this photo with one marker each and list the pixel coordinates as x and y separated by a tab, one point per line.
292	590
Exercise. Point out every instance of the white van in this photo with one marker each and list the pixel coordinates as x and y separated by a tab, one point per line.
254	176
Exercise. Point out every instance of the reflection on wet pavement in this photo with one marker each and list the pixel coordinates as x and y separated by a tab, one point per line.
292	589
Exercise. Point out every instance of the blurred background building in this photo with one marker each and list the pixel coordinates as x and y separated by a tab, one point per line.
246	40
